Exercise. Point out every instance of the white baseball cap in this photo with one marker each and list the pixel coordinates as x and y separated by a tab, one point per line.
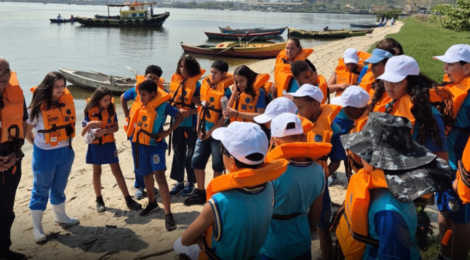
309	90
456	53
275	108
242	139
398	67
190	251
353	96
280	122
350	56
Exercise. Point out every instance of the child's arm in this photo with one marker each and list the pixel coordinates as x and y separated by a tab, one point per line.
89	125
124	106
29	133
178	119
194	233
315	213
333	86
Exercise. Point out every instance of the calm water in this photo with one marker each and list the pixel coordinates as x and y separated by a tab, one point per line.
34	46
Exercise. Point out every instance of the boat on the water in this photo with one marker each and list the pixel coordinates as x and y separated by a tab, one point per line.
340	34
360	33
252	30
62	20
137	15
243	36
364	25
237	50
94	79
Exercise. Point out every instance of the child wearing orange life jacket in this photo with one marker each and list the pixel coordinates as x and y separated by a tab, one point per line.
308	101
152	72
298	193
248	99
305	73
384	215
184	95
354	102
236	218
283	78
462	181
149	136
452	212
52	114
210	118
100	114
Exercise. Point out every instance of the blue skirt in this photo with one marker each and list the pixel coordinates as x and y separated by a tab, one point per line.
102	154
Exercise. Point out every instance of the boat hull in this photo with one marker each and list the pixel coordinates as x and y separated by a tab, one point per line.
279	31
62	21
364	25
235	37
91	80
139	22
319	35
236	52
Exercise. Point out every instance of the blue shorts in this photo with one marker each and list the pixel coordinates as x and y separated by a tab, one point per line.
102	154
305	256
151	159
325	217
203	151
448	200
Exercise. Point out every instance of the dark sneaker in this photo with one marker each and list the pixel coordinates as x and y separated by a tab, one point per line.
10	255
170	222
140	193
188	189
100	204
332	180
177	189
131	204
198	198
151	207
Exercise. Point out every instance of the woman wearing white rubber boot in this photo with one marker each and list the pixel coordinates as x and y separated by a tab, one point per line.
52	114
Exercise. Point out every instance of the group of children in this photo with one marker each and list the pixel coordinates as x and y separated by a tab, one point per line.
395	130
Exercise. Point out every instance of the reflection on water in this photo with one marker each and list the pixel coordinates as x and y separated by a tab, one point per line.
80	93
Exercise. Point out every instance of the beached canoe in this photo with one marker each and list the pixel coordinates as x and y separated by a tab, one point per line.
245	36
234	49
364	25
318	34
94	80
62	20
360	33
252	30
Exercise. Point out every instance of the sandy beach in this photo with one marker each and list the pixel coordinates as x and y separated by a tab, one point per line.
122	234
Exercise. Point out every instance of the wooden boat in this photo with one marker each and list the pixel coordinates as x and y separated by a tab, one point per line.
360	33
238	50
318	34
95	79
366	30
364	25
244	36
62	20
138	15
252	30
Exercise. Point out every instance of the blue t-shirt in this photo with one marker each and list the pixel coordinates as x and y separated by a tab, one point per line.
228	94
294	192
191	120
130	94
459	134
394	224
337	152
344	122
261	100
242	219
363	72
294	87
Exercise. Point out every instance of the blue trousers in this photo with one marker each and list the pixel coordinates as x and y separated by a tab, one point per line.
51	170
139	179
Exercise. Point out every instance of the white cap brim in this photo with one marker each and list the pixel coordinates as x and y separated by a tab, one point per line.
262	119
445	59
219	133
190	251
337	101
391	77
350	60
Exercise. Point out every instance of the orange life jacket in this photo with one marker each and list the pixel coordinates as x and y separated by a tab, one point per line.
322	130
459	94
246	102
182	90
402	107
463	182
12	112
59	121
343	75
136	104
144	118
353	229
94	114
323	85
211	98
383	102
354	161
242	179
282	70
309	150
367	81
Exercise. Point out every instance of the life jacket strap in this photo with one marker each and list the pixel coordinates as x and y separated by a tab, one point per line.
205	113
15	142
361	238
68	131
286	217
145	132
336	218
464	174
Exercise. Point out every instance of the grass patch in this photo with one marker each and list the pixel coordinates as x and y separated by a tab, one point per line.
422	41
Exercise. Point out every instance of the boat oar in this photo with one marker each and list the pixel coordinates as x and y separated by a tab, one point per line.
236	45
133	71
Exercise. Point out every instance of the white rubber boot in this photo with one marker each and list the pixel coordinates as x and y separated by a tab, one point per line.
61	217
38	232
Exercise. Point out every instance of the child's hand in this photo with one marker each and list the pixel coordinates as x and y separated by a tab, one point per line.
201	244
99	133
96	124
163	134
230	113
208	135
196	100
184	112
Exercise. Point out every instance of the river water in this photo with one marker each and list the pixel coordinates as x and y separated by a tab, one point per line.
35	47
